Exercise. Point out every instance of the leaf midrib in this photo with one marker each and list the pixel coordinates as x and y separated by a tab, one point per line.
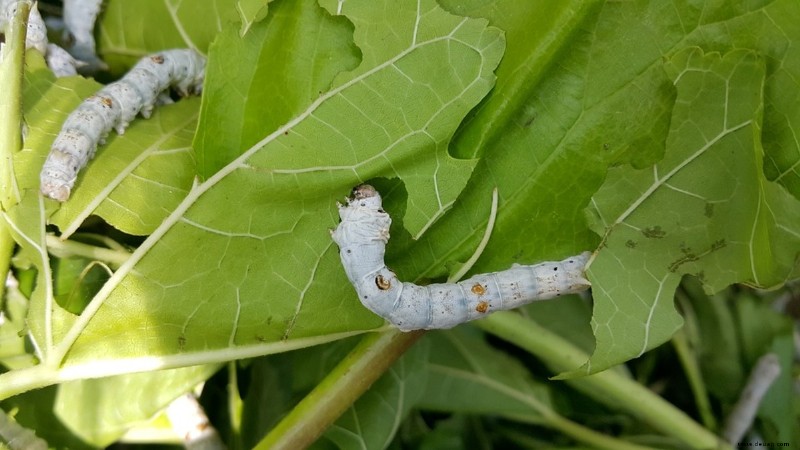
197	190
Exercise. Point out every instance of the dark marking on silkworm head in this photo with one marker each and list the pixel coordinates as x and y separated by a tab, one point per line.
382	283
363	191
482	307
478	289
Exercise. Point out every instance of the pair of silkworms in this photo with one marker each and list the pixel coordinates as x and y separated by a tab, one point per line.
362	235
115	106
79	17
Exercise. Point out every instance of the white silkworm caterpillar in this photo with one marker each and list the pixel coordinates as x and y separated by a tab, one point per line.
115	106
79	19
58	60
36	35
61	62
16	437
362	236
190	422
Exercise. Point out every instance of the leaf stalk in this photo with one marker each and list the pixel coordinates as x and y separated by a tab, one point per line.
12	61
340	388
610	386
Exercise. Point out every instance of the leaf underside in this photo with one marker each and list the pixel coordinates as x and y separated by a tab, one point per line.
325	97
257	266
727	225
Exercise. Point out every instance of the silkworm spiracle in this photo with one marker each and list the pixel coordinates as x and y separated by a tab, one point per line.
362	236
115	106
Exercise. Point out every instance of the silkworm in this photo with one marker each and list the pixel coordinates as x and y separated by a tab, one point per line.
36	35
115	106
16	437
58	60
362	235
79	19
61	62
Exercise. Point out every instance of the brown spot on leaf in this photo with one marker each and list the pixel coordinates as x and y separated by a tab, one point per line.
654	232
681	261
692	256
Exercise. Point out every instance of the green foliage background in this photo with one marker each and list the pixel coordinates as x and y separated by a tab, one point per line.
659	135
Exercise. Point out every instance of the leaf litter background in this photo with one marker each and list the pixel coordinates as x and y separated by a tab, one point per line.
595	85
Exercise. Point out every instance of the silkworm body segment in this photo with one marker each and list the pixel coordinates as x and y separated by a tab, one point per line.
114	107
362	236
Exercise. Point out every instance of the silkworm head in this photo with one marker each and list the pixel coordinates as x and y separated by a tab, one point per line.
55	190
363	191
365	196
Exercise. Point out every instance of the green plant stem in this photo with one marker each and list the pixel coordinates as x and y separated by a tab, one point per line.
235	403
11	76
65	249
549	417
609	386
340	388
693	375
589	436
6	250
18	381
